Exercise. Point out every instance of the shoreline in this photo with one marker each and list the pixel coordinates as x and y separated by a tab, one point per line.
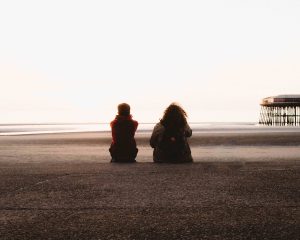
205	147
142	137
201	127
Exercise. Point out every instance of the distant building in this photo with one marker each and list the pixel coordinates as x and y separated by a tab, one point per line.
281	110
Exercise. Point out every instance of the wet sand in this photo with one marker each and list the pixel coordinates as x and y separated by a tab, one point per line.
62	186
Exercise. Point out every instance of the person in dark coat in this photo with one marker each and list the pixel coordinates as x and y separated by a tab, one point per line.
123	127
169	137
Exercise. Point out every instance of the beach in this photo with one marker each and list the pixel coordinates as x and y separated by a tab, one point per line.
242	185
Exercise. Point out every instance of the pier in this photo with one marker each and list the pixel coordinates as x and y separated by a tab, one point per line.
281	110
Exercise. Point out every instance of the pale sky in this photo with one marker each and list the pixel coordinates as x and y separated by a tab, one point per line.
74	61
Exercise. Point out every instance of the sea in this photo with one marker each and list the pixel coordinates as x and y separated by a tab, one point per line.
204	127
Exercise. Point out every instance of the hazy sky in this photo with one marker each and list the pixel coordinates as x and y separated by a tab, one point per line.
74	61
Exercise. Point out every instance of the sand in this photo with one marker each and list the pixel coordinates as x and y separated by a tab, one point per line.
62	186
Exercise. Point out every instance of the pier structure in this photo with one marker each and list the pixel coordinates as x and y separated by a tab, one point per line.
281	110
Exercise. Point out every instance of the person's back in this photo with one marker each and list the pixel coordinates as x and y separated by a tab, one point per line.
173	144
123	127
169	137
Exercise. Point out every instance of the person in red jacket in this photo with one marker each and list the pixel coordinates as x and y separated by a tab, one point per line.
123	127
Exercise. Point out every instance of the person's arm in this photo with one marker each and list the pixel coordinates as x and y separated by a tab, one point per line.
136	124
155	135
113	133
187	131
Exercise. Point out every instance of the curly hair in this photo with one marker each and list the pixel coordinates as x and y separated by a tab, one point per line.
174	117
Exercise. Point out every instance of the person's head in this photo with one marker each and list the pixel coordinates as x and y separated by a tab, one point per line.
174	117
123	109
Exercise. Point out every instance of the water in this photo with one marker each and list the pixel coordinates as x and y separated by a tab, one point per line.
204	127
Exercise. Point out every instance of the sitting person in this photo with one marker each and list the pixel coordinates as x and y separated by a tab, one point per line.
123	127
169	137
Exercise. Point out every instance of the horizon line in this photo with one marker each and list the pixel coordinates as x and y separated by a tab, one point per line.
84	123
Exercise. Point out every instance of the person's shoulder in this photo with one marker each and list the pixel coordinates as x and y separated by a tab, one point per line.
134	121
158	126
113	122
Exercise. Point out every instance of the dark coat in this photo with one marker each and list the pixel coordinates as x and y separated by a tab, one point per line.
123	147
158	153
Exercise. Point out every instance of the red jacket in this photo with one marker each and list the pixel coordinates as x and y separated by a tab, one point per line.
123	129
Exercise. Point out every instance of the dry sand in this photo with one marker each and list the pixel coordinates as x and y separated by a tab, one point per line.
62	186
